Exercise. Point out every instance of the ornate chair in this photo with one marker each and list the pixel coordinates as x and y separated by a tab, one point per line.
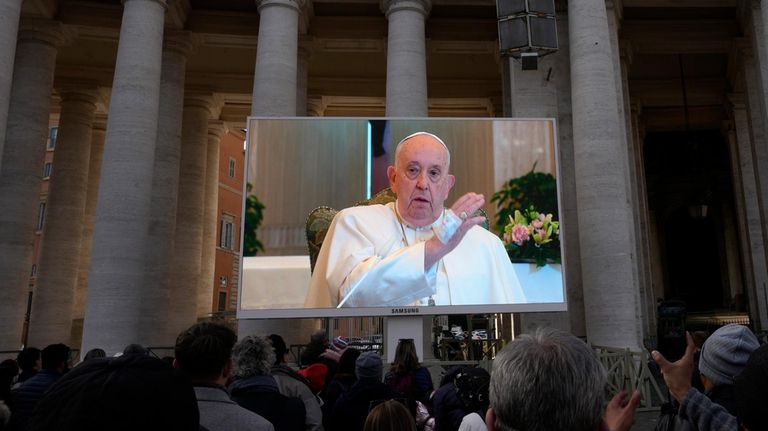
319	220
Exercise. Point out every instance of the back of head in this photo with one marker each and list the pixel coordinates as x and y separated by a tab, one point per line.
472	386
558	384
94	354
390	415
318	337
125	393
368	367
55	356
278	344
253	356
752	391
135	349
28	358
725	353
347	361
406	358
203	350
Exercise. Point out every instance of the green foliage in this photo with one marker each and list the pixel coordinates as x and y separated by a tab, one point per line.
527	218
254	214
534	188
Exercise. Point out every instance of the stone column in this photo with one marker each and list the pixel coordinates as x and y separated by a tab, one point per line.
89	217
605	218
165	185
756	74
188	240
545	93
10	10
274	81
27	131
116	282
216	129
749	209
51	317
302	76
406	57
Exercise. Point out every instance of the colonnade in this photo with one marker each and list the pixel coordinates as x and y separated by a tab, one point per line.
141	189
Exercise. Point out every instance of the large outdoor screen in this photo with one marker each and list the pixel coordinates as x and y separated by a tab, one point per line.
300	172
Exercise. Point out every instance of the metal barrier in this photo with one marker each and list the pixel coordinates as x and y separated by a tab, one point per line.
629	371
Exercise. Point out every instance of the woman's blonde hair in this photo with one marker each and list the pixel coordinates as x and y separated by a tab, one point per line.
390	415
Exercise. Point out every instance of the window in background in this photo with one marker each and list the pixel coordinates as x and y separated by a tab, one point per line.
232	166
47	169
40	216
227	232
53	133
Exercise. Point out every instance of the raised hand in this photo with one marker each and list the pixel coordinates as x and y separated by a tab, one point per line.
677	375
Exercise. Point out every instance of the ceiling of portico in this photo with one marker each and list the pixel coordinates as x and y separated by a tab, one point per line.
346	45
659	35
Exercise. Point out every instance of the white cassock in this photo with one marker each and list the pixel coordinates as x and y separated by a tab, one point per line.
370	259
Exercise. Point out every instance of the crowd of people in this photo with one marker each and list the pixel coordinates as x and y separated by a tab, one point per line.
549	380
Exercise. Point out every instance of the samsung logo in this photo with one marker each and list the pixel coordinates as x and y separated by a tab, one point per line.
412	310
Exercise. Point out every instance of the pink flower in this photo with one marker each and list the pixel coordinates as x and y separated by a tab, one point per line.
537	224
520	234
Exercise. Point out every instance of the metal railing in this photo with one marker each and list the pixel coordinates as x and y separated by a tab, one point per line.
629	371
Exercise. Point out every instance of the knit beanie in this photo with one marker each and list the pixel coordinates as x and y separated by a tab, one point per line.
725	353
369	366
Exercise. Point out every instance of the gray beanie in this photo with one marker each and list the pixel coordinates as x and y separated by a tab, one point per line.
725	353
369	366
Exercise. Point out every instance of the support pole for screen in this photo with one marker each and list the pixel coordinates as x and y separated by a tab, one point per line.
399	327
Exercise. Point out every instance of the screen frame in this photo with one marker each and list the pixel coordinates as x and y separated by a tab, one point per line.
287	313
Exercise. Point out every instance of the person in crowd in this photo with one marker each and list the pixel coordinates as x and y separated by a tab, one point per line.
257	390
414	251
95	354
352	407
5	415
463	394
55	362
344	379
204	354
448	410
407	376
9	370
551	380
127	393
723	357
390	415
752	391
318	344
292	384
30	362
135	349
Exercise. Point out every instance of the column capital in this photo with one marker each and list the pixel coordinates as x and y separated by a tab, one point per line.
179	41
216	129
625	50
292	4
100	122
744	47
306	47
48	31
79	92
738	101
421	6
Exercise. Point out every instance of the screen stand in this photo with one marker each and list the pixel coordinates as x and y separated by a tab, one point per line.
403	327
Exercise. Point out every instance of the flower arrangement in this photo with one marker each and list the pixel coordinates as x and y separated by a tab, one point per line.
532	235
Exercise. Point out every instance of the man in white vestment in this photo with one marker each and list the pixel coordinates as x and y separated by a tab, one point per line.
413	251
